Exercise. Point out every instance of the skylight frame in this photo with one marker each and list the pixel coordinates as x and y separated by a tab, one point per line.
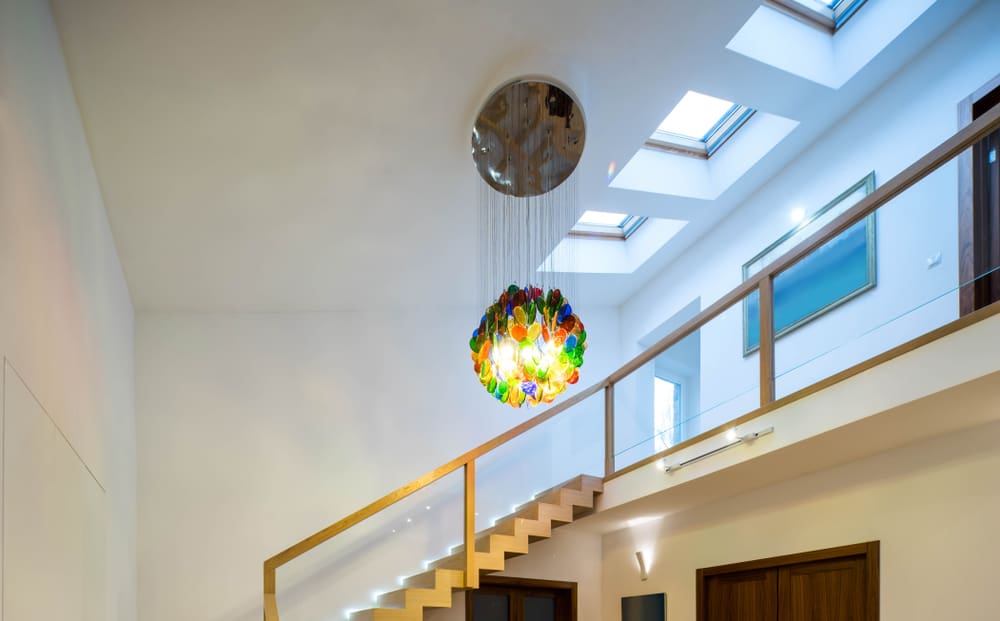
620	232
722	131
827	16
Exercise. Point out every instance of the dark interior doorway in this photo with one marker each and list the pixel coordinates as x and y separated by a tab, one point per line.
979	207
521	599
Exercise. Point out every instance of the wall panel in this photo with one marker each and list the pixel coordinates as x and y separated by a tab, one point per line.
54	518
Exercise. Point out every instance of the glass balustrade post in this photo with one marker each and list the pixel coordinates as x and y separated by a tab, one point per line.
609	429
766	296
471	571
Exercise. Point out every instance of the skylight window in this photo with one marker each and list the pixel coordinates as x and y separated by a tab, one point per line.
699	125
696	116
603	218
826	15
606	224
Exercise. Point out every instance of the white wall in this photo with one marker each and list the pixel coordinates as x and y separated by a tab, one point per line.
256	430
934	506
66	327
913	112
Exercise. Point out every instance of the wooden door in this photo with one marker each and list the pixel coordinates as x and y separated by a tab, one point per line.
986	217
979	207
836	584
822	591
744	596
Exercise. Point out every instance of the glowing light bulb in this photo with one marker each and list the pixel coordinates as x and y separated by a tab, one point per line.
506	358
731	435
797	215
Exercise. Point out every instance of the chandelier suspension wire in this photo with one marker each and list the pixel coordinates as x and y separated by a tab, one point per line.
526	144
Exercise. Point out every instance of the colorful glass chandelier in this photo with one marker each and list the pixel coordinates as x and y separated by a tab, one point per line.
528	347
526	143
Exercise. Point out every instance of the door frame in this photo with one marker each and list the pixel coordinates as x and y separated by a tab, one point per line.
966	204
869	550
522	583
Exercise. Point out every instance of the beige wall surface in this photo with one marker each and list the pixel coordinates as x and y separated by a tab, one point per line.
66	326
934	506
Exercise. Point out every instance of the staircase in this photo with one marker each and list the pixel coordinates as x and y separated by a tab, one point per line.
510	536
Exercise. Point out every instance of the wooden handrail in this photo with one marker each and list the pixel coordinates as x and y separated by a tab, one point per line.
938	333
762	281
416	485
272	564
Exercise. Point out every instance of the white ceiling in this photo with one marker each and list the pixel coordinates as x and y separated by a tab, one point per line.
314	154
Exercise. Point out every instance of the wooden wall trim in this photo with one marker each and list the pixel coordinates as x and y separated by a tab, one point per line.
857	549
514	581
874	574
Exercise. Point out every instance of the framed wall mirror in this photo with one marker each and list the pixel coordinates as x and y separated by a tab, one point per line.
838	271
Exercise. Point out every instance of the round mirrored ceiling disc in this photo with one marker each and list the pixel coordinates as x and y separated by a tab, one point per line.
528	138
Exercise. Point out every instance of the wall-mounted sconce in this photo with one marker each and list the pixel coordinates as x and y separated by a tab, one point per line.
642	565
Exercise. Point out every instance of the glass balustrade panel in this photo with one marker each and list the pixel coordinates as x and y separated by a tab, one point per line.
700	383
889	279
568	445
351	570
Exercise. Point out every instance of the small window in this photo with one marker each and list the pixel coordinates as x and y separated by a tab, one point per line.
699	125
666	413
827	16
606	225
